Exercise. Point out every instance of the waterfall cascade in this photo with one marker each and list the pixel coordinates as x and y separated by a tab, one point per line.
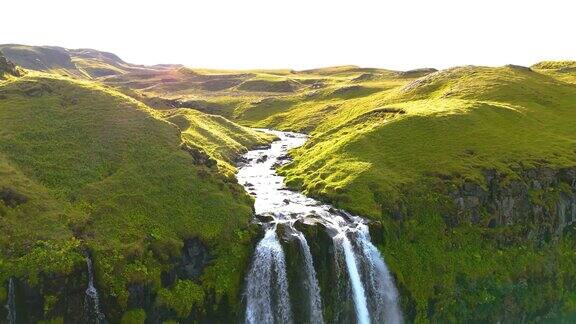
315	301
371	287
382	292
358	293
267	283
93	311
11	302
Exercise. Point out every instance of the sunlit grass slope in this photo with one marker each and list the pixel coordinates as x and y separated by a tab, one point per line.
382	139
453	123
410	145
222	139
563	70
86	166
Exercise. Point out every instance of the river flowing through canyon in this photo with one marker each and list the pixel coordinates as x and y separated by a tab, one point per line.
355	273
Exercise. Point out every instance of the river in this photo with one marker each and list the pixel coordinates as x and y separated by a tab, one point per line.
366	281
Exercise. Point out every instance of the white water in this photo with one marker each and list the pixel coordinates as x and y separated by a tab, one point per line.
11	302
355	281
374	295
381	288
92	296
312	282
267	284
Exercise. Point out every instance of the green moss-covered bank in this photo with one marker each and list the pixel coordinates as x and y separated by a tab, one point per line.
497	251
86	168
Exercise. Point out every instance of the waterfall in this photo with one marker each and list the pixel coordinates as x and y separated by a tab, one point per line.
92	298
383	295
358	294
341	286
362	288
311	282
267	283
11	302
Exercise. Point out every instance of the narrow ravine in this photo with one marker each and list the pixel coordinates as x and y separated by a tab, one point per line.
369	285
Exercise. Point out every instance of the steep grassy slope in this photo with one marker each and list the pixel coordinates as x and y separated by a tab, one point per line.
84	166
398	156
396	146
450	123
469	175
220	138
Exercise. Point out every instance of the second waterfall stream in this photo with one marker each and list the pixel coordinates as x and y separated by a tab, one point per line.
355	285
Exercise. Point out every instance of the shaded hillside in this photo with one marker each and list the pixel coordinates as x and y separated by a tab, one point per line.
7	68
87	168
77	63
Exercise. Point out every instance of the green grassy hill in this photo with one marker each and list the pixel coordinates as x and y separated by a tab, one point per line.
86	167
398	146
452	123
76	63
399	155
220	138
563	70
468	175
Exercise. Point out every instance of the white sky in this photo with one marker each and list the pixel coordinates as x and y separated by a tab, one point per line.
299	34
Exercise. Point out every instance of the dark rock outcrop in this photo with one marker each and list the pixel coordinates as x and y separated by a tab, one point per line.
11	198
53	296
543	199
332	277
7	67
195	257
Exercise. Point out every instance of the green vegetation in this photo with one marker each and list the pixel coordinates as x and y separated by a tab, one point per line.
454	123
182	297
101	170
472	273
84	166
134	316
563	70
77	63
222	139
409	146
381	139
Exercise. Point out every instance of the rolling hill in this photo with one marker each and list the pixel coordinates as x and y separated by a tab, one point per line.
468	174
86	168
